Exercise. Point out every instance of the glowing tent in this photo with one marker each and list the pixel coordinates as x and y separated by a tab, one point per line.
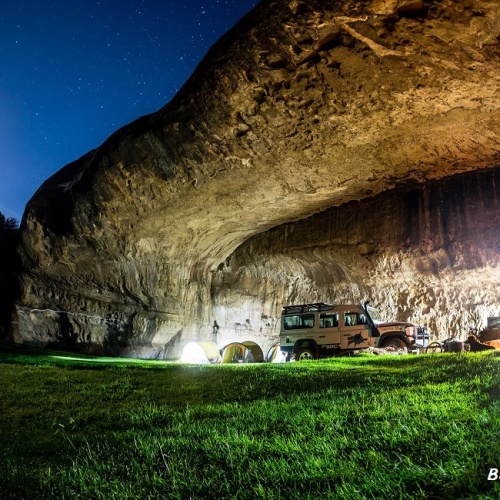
200	353
275	355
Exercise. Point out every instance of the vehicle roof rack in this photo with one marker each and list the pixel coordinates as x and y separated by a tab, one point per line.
302	308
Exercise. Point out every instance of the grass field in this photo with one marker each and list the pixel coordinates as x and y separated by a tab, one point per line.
367	427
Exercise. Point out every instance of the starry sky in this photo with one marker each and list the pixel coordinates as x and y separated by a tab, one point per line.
74	71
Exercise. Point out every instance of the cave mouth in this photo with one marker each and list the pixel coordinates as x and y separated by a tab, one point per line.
429	254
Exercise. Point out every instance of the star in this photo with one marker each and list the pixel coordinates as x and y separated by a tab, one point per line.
66	57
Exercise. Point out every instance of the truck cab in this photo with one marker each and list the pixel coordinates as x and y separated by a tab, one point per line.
311	331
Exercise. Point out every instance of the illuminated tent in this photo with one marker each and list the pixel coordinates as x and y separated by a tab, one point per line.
258	355
274	355
236	353
200	353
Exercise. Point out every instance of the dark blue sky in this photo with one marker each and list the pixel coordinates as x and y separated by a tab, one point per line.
74	71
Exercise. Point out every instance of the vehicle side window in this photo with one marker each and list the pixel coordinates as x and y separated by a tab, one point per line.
352	318
329	320
299	321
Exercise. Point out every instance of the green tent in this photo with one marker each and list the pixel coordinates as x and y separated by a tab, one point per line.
236	352
258	355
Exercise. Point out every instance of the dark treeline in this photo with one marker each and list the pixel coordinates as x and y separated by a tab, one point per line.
9	266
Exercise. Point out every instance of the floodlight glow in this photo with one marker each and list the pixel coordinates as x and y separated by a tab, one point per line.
194	353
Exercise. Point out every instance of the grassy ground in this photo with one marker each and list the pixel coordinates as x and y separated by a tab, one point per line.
368	427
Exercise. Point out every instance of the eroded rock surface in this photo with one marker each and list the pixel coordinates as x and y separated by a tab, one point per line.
374	115
428	254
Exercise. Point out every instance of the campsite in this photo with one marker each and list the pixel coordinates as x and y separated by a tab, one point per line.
423	426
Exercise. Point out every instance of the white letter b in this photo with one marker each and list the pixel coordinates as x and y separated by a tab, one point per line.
493	475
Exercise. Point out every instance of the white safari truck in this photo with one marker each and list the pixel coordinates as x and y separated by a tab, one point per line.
311	331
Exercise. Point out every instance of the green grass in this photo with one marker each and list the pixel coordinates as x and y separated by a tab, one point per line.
369	427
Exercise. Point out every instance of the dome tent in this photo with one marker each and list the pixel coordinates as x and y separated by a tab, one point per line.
200	353
275	355
236	352
258	355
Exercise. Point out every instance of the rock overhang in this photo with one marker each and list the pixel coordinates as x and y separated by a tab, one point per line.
301	107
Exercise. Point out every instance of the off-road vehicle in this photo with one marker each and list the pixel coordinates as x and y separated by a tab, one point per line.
311	331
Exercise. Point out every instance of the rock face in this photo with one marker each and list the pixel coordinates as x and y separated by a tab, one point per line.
428	254
323	150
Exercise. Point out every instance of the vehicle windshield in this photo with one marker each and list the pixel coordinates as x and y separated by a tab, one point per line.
375	315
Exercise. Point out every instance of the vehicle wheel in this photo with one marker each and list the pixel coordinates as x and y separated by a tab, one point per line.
434	347
394	342
305	354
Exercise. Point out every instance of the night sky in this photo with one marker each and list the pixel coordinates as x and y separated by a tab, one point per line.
74	71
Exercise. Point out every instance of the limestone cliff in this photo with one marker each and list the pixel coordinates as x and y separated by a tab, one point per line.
374	115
